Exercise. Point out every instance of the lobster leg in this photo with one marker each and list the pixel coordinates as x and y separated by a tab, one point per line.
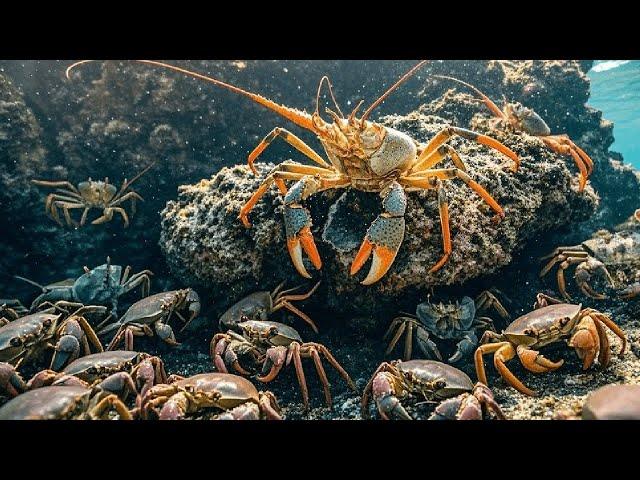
384	236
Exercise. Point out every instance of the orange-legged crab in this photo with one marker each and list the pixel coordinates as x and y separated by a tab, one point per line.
449	321
522	119
154	311
582	328
593	256
88	195
364	155
231	396
430	381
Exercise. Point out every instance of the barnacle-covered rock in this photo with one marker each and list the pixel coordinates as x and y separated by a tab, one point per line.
206	244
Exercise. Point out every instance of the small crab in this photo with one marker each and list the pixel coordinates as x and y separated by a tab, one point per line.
64	402
88	195
450	321
236	398
102	285
603	251
155	311
582	328
430	381
10	310
519	118
115	371
260	305
271	345
28	336
613	402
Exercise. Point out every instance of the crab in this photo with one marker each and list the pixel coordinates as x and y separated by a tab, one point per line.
28	336
603	251
64	402
11	382
102	285
364	155
260	305
11	309
430	381
115	371
613	402
154	311
519	118
582	329
235	397
90	194
450	321
272	345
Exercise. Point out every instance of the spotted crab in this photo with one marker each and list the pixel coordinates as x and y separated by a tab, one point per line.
429	381
67	332
582	329
457	321
102	285
65	403
363	155
229	397
519	118
152	314
90	194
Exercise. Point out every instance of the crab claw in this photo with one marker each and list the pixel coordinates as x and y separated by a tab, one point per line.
299	239
67	350
383	239
11	382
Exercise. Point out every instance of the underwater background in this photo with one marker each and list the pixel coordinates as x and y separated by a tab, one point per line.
114	119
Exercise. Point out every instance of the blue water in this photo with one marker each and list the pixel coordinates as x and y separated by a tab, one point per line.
615	89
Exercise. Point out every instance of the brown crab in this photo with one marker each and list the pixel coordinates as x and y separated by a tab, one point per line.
63	403
582	328
522	119
88	195
234	397
28	336
431	381
272	345
364	155
154	311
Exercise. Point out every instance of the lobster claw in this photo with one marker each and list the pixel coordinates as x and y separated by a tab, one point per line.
383	239
297	222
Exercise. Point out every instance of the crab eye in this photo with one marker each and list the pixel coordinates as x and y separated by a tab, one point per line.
46	323
16	342
92	370
528	331
244	318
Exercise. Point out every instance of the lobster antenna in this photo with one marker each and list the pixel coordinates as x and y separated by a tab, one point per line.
300	118
403	79
322	80
30	282
475	89
487	101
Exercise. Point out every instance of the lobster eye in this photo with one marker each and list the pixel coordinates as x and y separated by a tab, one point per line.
16	342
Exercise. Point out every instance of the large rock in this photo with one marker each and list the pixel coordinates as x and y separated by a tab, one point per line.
205	243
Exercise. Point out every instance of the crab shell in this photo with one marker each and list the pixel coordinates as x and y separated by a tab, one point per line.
446	320
25	332
233	389
256	306
97	192
150	309
455	381
543	326
99	366
48	403
276	334
613	402
528	120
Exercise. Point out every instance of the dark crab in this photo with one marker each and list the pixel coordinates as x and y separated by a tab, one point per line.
118	371
230	396
102	285
429	381
154	311
271	345
63	403
457	321
582	328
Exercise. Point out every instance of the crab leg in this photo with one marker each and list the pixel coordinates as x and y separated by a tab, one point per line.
446	133
62	184
334	363
486	300
111	401
611	325
504	352
425	161
384	236
294	353
313	353
292	140
107	216
399	331
560	146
